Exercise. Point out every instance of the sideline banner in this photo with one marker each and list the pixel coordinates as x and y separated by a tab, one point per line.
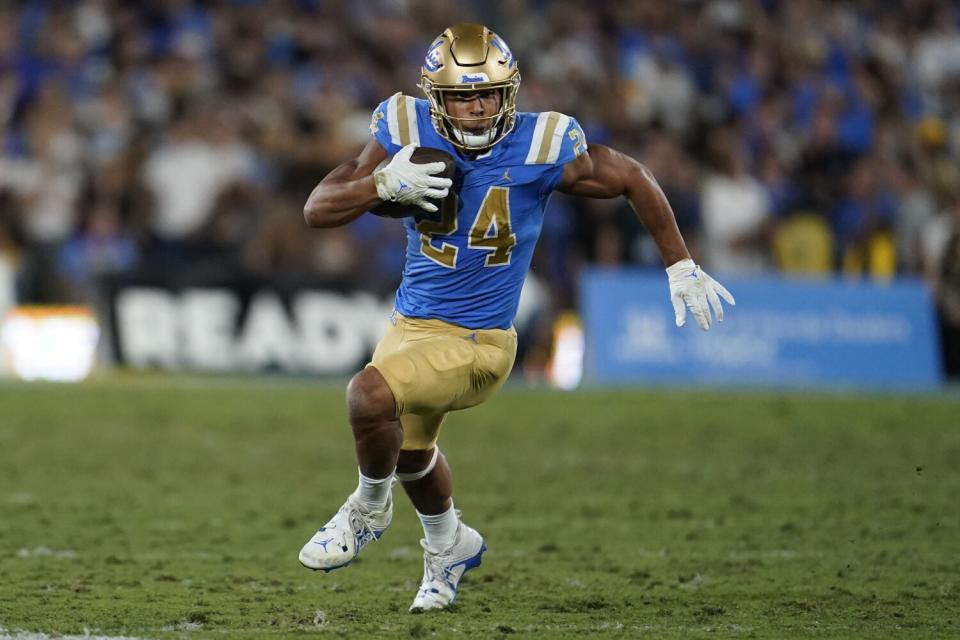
243	325
831	334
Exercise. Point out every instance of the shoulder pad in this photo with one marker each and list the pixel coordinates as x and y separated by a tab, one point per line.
394	123
557	139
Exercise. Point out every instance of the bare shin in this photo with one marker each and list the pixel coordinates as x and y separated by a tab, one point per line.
432	493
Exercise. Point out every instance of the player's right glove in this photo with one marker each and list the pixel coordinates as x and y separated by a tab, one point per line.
407	182
691	287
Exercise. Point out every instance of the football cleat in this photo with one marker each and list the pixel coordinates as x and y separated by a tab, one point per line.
442	571
338	542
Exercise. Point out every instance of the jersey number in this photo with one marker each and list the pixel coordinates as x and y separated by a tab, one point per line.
490	231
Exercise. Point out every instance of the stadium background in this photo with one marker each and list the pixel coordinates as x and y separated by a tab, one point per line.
175	142
154	160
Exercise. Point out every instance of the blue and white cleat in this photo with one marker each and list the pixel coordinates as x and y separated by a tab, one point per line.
338	542
442	571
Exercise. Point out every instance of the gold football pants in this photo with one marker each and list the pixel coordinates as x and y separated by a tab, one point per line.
433	367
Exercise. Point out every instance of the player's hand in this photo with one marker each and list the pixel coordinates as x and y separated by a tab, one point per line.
406	182
691	287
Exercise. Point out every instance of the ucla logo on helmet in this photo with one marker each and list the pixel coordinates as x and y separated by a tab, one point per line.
432	62
473	77
498	42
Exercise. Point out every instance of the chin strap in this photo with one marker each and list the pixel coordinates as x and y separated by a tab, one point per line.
474	140
417	475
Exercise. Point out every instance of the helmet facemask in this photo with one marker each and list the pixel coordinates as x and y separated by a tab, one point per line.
456	129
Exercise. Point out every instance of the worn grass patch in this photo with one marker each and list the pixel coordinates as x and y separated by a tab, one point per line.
158	509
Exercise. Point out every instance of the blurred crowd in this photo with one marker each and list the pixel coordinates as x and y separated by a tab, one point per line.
807	136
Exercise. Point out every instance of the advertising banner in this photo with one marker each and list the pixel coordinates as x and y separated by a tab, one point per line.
243	325
831	334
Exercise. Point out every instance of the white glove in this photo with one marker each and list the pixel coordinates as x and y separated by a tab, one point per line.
691	287
410	183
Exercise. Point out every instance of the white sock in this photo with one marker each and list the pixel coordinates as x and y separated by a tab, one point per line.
440	530
372	493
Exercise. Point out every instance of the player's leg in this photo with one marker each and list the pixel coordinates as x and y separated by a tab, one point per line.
426	478
463	368
467	372
377	432
367	512
450	547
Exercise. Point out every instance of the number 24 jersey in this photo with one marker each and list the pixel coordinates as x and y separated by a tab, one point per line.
467	269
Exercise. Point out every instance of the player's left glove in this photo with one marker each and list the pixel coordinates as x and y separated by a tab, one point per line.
691	287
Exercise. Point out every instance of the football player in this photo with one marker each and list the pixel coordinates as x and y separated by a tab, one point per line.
450	343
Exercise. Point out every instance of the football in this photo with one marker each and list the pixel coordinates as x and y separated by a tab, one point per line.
421	155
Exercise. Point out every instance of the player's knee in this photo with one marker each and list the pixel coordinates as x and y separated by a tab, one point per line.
369	398
414	460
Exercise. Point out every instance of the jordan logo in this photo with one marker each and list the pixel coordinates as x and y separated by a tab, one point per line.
506	176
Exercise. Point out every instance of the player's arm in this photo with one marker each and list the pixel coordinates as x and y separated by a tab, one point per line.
347	191
358	185
602	172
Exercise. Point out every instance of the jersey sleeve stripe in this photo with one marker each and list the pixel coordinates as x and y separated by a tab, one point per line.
546	144
412	129
403	121
560	128
392	121
537	138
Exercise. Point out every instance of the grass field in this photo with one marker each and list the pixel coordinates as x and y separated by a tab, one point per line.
154	508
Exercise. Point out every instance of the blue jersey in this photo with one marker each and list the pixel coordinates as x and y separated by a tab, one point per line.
468	268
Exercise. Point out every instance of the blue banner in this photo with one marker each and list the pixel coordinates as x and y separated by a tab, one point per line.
831	334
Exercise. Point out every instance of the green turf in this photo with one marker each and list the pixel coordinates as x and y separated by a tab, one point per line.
159	509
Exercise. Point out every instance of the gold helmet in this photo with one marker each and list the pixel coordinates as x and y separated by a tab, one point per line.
470	58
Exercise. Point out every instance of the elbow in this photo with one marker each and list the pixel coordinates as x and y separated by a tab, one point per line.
644	172
316	217
311	216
